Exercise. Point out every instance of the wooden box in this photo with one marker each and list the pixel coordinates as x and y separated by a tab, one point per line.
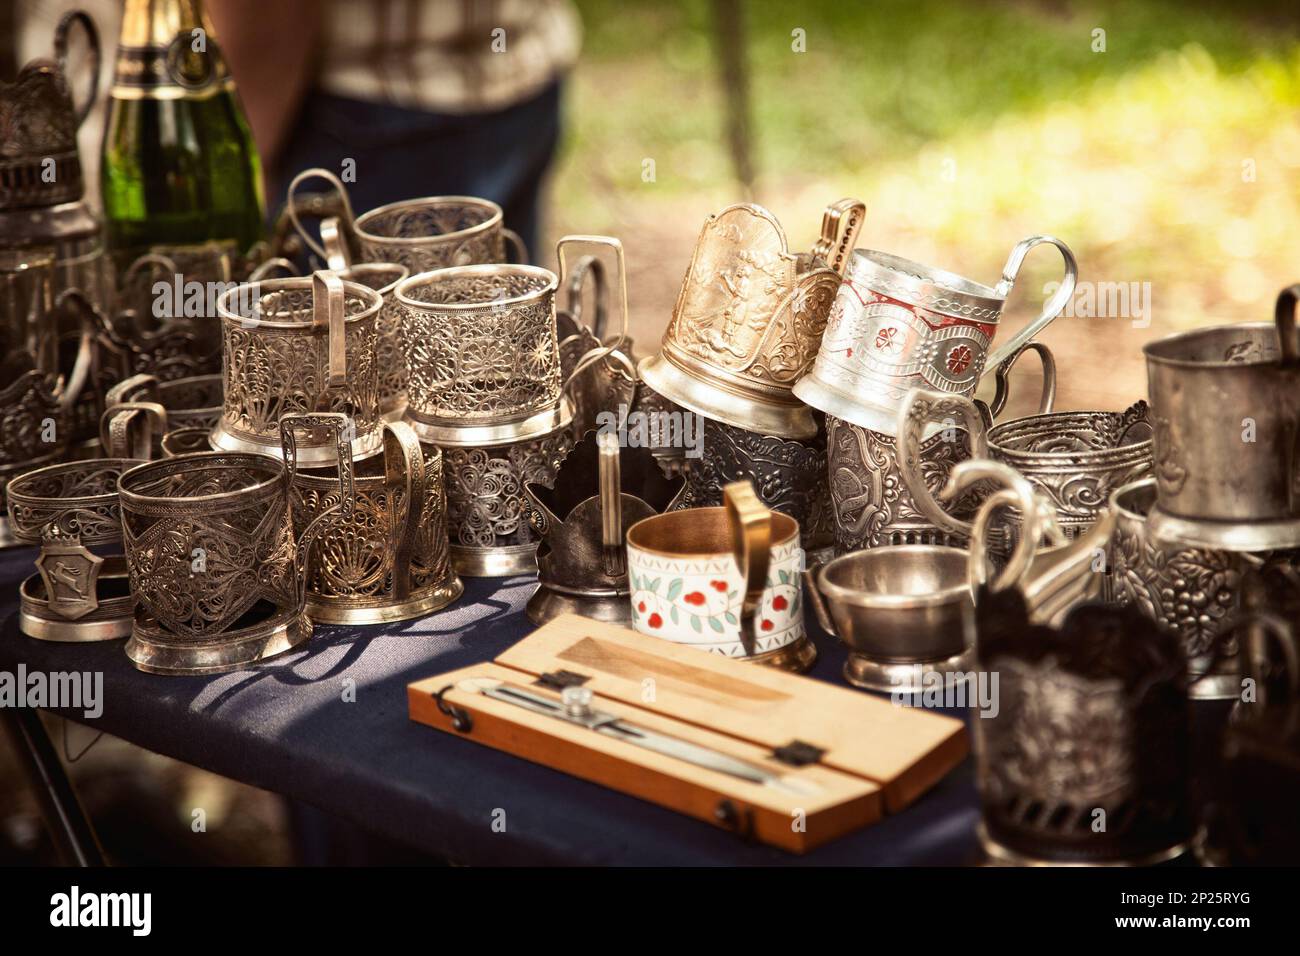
852	757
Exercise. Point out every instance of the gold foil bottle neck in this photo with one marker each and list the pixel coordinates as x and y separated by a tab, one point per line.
166	49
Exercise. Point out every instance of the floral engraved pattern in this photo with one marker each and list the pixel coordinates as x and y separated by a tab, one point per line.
273	370
485	489
440	224
496	361
243	544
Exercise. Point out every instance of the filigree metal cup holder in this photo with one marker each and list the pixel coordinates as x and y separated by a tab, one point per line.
387	559
483	354
218	578
299	346
435	232
487	519
597	493
1225	403
1192	592
749	319
1086	760
78	594
897	325
1075	459
724	580
34	408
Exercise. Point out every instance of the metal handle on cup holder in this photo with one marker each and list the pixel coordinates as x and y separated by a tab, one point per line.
612	350
340	426
264	270
841	223
115	431
1053	306
404	472
337	256
90	322
588	266
919	409
1262	629
1284	317
817	601
327	313
1001	375
347	221
1038	519
750	522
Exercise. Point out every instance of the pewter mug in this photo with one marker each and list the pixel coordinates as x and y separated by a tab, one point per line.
1225	403
897	325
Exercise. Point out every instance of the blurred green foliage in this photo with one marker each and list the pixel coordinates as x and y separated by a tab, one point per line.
1171	157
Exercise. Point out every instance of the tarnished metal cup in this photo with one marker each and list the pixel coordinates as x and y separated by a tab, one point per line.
218	577
387	559
296	346
1192	592
897	325
434	232
1225	403
78	594
749	318
903	611
1086	759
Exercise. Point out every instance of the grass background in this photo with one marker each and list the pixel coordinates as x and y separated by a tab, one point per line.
1171	158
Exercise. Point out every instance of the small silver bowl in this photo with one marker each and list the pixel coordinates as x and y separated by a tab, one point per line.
903	611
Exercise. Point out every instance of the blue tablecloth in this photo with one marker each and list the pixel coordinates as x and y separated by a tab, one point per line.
287	726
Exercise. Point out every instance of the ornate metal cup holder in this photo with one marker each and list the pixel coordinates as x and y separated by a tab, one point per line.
749	319
299	346
598	492
218	578
388	559
77	594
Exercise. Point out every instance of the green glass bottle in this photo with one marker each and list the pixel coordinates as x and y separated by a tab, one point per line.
179	167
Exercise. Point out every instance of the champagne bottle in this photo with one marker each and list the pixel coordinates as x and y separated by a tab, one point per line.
179	167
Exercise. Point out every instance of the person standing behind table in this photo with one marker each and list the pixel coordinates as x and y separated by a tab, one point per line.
428	97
